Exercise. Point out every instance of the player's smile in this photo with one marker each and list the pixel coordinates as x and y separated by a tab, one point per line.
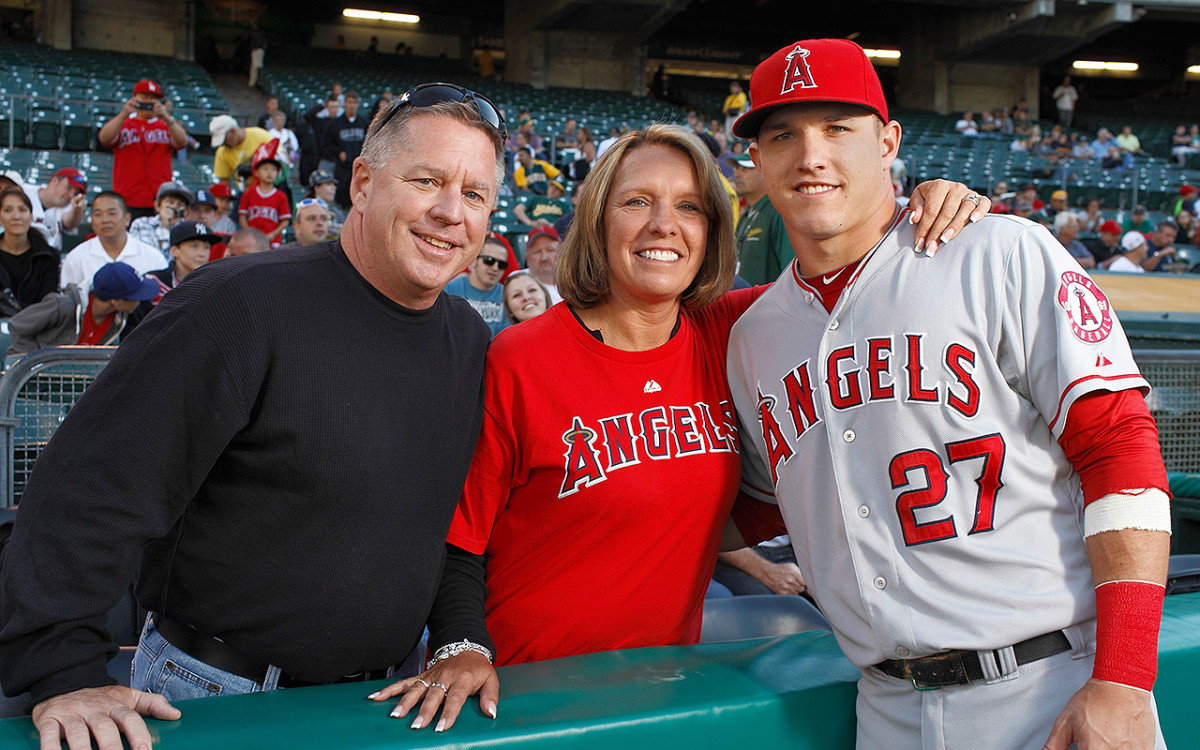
820	164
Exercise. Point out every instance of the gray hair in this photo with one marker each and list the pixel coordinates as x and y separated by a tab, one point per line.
1062	218
383	142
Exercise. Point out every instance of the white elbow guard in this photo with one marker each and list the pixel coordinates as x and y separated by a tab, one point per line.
1145	509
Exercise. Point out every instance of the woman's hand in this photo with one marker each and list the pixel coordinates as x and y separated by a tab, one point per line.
941	209
447	685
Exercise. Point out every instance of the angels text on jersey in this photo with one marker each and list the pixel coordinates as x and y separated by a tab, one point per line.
595	449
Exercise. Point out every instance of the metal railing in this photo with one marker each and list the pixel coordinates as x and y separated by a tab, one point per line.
36	393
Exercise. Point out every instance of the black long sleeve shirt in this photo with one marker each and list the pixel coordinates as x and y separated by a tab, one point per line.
276	451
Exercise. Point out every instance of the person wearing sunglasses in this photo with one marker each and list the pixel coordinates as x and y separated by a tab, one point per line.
481	287
312	223
288	528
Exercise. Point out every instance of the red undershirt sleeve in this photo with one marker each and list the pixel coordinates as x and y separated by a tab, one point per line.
1112	441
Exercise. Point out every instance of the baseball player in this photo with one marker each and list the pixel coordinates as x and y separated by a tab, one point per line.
960	447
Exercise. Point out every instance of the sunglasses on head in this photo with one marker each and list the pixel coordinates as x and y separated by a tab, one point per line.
429	94
488	260
311	202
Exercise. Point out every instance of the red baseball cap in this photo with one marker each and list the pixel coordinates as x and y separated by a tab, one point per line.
812	70
1110	227
266	153
146	86
539	231
220	190
1188	189
77	179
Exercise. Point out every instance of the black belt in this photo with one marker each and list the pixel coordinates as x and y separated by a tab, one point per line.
961	667
221	655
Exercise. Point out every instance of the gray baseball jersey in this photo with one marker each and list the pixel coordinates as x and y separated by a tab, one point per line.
910	437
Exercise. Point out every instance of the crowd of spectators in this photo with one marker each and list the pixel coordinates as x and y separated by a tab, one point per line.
252	205
1107	241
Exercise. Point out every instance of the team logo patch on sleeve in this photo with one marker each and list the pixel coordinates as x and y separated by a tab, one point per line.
1086	307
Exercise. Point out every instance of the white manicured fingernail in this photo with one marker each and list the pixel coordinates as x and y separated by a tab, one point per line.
372	696
912	217
441	727
920	245
976	217
931	248
416	723
947	236
491	710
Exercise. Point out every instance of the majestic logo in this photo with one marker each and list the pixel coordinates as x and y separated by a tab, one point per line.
1088	310
797	72
652	386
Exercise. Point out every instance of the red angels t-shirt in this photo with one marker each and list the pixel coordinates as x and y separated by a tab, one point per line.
141	160
601	484
264	211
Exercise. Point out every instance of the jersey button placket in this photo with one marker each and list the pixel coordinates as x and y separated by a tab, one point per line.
880	582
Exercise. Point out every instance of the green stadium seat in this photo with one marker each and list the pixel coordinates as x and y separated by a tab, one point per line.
44	134
77	137
19	132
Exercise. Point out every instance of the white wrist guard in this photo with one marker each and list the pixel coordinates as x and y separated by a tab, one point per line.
1144	509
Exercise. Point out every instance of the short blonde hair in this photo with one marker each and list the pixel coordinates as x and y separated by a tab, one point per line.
582	273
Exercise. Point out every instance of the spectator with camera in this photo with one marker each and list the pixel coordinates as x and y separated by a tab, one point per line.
143	135
170	204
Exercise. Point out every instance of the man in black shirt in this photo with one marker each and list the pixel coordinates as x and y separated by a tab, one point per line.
288	526
346	135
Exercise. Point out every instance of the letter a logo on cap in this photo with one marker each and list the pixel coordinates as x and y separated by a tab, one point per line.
797	72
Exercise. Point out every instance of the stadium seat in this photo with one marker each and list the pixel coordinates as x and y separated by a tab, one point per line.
44	135
739	618
20	132
77	137
1183	574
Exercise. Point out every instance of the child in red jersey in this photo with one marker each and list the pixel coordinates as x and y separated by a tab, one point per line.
264	206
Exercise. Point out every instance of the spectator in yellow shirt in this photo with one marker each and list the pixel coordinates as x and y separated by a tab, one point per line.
234	145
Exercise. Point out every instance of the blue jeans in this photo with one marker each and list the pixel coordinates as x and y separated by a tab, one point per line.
159	667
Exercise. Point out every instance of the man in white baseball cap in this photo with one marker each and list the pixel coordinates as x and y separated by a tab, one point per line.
234	145
1133	249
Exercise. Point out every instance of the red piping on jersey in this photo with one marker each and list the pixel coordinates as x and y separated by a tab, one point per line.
1068	389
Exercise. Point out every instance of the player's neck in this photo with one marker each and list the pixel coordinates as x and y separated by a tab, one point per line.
824	254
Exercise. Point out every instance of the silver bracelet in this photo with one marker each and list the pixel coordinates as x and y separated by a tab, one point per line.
460	647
